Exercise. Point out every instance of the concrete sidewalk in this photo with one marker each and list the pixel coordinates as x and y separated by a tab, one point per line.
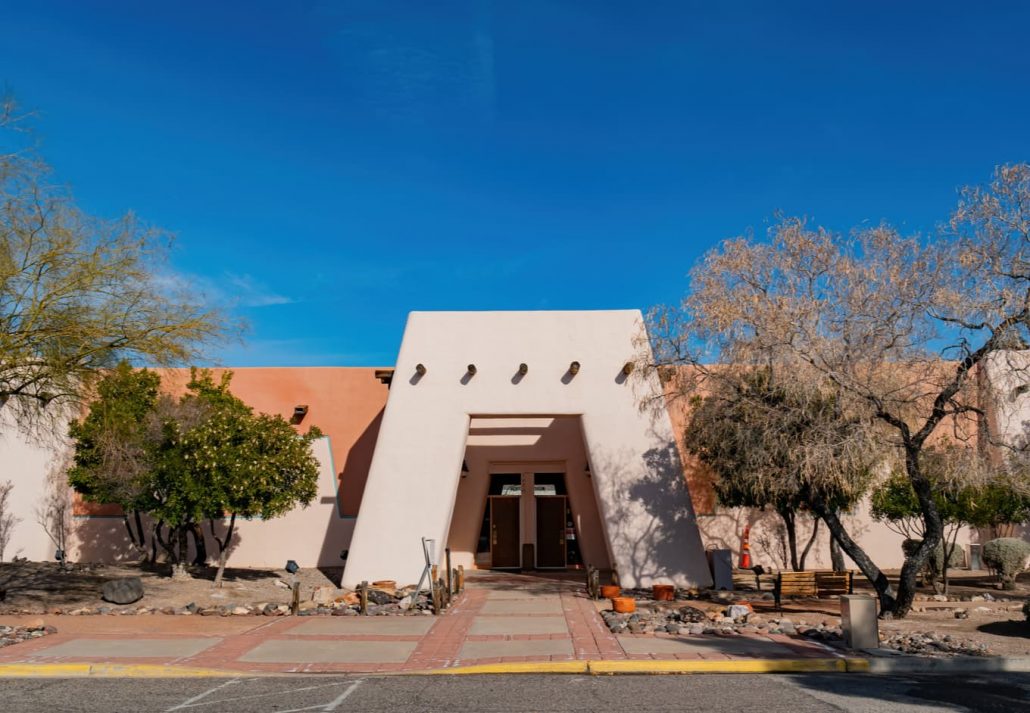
501	622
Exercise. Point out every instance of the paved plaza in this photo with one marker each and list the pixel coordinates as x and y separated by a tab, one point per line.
498	619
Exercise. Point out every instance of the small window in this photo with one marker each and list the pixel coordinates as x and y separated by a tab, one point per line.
554	483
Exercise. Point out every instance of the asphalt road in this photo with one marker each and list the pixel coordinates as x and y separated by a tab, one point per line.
1004	693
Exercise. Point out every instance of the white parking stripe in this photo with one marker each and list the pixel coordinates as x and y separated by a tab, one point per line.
190	701
343	696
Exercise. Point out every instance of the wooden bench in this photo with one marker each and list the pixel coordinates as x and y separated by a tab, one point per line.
751	580
816	583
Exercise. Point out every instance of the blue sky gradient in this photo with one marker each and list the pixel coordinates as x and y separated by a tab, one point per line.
329	166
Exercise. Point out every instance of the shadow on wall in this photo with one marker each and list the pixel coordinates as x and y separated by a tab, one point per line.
650	514
354	475
104	539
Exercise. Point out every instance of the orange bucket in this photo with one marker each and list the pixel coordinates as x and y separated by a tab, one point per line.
624	605
610	590
663	592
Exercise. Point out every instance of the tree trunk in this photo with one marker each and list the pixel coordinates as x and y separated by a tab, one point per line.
169	546
139	530
933	531
179	570
200	559
223	549
128	528
836	556
878	579
790	523
811	541
949	549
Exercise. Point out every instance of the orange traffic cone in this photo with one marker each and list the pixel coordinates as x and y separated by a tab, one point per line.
745	548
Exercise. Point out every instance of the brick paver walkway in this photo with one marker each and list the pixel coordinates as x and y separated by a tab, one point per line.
500	618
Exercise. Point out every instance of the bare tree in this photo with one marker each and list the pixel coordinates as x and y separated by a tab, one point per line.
896	326
7	518
79	293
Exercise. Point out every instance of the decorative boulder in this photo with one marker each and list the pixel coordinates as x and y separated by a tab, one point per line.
737	611
122	591
692	615
378	596
323	595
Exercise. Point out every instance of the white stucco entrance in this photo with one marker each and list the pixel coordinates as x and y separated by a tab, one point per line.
457	369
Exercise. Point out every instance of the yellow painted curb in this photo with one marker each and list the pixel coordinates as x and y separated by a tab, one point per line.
857	665
68	670
711	666
601	668
518	667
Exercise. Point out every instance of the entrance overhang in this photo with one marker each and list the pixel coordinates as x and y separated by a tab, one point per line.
523	367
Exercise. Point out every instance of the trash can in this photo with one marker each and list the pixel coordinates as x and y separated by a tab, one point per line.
858	621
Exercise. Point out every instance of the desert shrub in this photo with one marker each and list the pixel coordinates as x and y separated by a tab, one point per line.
1007	556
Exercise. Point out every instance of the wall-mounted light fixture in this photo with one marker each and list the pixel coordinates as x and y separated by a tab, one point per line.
291	566
523	369
586	470
299	412
627	368
472	369
574	368
420	369
464	468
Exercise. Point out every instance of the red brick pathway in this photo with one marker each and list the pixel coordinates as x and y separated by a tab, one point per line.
234	637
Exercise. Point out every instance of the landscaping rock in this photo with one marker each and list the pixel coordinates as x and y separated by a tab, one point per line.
323	595
737	611
691	615
122	591
378	596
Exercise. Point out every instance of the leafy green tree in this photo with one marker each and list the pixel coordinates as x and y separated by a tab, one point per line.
968	490
238	463
772	442
113	453
205	456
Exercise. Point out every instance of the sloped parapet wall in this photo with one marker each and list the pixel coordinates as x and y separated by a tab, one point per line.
645	507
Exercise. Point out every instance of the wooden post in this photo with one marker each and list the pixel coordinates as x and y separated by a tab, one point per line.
435	585
461	578
454	581
363	594
447	555
295	602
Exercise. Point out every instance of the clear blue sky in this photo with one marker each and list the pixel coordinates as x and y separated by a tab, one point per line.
329	166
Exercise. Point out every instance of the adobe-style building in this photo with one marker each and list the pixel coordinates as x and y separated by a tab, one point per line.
514	439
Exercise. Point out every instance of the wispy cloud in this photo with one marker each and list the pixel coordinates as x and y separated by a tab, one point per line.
253	293
230	290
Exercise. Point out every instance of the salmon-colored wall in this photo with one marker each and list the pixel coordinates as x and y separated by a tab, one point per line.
345	403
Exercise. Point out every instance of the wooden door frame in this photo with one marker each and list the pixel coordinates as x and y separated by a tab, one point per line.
518	534
564	538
